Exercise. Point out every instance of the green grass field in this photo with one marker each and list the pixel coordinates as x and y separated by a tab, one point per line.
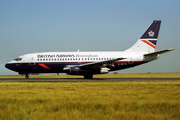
127	100
134	75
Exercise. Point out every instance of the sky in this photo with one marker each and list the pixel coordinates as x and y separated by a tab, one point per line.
89	25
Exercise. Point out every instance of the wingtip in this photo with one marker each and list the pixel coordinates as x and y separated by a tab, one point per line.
171	49
157	20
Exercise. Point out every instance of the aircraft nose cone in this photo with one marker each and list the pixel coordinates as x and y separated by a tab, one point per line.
8	66
13	66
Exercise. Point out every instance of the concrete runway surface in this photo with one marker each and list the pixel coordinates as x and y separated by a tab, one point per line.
85	80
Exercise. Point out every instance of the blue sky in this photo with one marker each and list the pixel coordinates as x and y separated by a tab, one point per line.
94	25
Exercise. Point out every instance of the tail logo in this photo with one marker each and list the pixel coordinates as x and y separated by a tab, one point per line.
151	33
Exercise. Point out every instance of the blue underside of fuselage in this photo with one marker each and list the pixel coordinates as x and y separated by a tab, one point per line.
58	67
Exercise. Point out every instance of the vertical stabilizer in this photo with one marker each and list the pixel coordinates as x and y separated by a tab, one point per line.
147	42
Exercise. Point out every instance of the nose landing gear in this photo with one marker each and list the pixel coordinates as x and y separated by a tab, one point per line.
27	76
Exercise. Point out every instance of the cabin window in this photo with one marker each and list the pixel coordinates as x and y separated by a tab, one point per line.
18	59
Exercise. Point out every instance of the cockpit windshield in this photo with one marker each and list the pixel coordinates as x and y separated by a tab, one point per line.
18	59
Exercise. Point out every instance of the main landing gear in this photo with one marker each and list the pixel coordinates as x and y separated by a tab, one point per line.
27	76
88	76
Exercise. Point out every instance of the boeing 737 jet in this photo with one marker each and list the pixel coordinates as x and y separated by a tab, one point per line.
90	63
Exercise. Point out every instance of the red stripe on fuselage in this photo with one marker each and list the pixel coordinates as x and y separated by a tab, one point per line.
44	66
153	46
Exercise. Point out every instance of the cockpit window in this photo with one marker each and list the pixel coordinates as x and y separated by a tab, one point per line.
18	59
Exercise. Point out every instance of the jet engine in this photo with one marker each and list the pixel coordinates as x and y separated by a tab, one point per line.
78	71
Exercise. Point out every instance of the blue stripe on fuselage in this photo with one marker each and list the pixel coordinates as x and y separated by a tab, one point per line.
57	67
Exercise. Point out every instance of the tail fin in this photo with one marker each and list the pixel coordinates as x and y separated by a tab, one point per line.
147	42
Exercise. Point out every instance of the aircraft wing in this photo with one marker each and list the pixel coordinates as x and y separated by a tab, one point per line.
100	64
159	52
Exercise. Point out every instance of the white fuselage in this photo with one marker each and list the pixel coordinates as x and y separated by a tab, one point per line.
46	62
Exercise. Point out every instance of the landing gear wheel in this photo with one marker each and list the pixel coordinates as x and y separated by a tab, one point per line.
88	76
27	76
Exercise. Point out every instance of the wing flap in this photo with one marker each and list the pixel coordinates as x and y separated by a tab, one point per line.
100	64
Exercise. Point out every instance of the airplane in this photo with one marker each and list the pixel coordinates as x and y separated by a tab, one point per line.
90	63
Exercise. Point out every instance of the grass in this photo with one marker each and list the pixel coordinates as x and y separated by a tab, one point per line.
134	75
90	100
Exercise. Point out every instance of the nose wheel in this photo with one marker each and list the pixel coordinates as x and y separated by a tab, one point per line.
27	76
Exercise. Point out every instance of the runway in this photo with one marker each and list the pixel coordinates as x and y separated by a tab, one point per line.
84	80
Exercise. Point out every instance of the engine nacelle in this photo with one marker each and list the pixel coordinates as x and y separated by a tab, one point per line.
78	71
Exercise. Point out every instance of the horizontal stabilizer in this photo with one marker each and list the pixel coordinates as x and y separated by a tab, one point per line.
159	52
